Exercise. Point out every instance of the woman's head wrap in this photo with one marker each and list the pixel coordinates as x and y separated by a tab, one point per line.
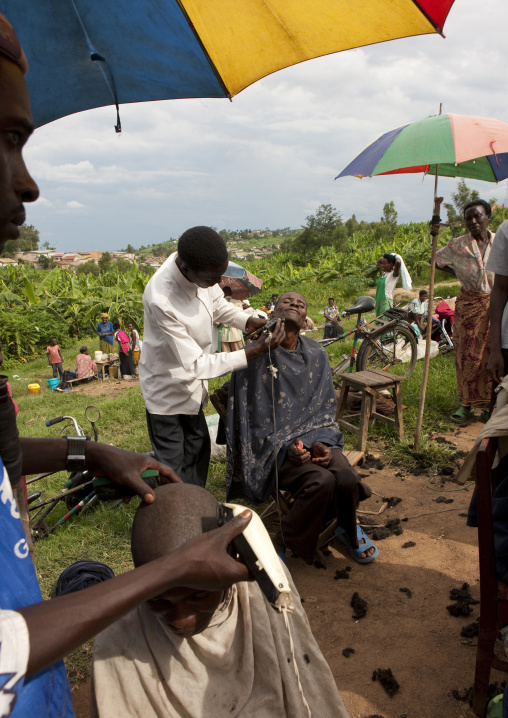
82	574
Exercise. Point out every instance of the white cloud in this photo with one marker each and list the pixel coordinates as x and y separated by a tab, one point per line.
73	204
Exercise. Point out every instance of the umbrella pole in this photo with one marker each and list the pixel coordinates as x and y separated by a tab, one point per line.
435	234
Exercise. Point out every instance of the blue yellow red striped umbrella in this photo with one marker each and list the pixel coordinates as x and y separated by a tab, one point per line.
90	53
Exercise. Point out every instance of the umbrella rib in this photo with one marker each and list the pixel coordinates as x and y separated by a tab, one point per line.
97	57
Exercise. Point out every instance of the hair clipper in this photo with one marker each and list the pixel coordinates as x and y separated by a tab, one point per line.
256	549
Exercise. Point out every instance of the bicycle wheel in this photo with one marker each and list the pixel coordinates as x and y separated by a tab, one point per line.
391	348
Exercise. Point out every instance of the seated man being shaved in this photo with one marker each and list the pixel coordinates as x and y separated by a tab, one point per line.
191	654
281	411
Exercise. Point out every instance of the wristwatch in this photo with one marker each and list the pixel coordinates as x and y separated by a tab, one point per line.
76	452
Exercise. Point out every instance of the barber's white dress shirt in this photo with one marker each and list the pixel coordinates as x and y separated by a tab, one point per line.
177	357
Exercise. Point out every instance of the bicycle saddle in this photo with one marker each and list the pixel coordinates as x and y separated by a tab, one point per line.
362	304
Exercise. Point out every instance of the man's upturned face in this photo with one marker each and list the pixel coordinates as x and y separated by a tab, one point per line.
186	611
476	220
16	126
207	277
291	307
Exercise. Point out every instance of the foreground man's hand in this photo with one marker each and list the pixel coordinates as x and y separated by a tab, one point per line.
125	467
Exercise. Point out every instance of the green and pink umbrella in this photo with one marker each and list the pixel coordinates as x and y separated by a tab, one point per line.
462	146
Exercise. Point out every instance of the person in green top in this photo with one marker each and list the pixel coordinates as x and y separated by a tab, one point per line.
389	264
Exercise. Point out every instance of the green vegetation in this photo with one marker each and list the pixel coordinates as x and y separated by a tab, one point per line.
38	305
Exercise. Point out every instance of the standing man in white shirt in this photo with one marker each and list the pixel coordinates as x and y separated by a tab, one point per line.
182	302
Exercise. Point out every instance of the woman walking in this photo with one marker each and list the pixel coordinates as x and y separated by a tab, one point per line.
124	351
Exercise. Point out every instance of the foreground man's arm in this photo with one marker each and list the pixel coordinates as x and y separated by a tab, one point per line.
123	467
58	626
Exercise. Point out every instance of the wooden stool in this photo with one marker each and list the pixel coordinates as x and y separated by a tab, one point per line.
369	383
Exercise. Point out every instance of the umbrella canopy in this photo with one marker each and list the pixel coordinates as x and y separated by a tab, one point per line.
243	284
89	53
462	146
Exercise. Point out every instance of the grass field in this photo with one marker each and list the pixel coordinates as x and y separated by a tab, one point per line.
103	533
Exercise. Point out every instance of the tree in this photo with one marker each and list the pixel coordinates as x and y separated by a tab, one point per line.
130	249
28	240
389	216
89	267
455	211
46	245
323	229
105	261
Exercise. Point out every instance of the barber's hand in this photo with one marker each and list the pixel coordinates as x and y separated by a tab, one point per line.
125	467
207	564
297	453
322	455
254	323
261	345
495	366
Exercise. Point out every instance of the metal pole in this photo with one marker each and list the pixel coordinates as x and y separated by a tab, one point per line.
426	366
435	234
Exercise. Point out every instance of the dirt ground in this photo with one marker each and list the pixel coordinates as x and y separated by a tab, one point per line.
416	637
104	388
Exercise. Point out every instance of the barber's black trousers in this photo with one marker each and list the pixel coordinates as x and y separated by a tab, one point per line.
182	442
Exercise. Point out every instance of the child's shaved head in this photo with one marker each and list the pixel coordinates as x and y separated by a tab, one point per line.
180	512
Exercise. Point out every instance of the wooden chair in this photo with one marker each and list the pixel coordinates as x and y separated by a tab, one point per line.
493	592
369	383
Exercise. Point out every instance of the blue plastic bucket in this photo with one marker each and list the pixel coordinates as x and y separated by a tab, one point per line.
53	383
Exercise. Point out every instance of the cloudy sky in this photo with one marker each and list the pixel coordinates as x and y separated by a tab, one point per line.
269	158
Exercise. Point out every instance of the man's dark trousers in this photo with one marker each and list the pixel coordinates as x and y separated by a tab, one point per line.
182	442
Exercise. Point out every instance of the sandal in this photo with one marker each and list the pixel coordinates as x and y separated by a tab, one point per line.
462	414
364	543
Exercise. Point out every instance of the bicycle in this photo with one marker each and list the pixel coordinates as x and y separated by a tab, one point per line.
392	345
81	490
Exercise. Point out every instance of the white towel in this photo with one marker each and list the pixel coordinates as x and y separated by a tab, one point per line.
404	274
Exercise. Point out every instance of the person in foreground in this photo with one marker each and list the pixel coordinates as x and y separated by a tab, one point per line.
191	654
36	634
182	302
466	258
309	455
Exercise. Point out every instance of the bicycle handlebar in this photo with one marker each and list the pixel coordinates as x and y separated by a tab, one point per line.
56	420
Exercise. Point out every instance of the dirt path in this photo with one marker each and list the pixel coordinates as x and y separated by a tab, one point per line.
416	637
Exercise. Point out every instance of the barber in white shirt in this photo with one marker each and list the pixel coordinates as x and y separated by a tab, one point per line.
182	301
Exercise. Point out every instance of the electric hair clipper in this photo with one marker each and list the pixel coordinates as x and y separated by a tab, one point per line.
256	549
